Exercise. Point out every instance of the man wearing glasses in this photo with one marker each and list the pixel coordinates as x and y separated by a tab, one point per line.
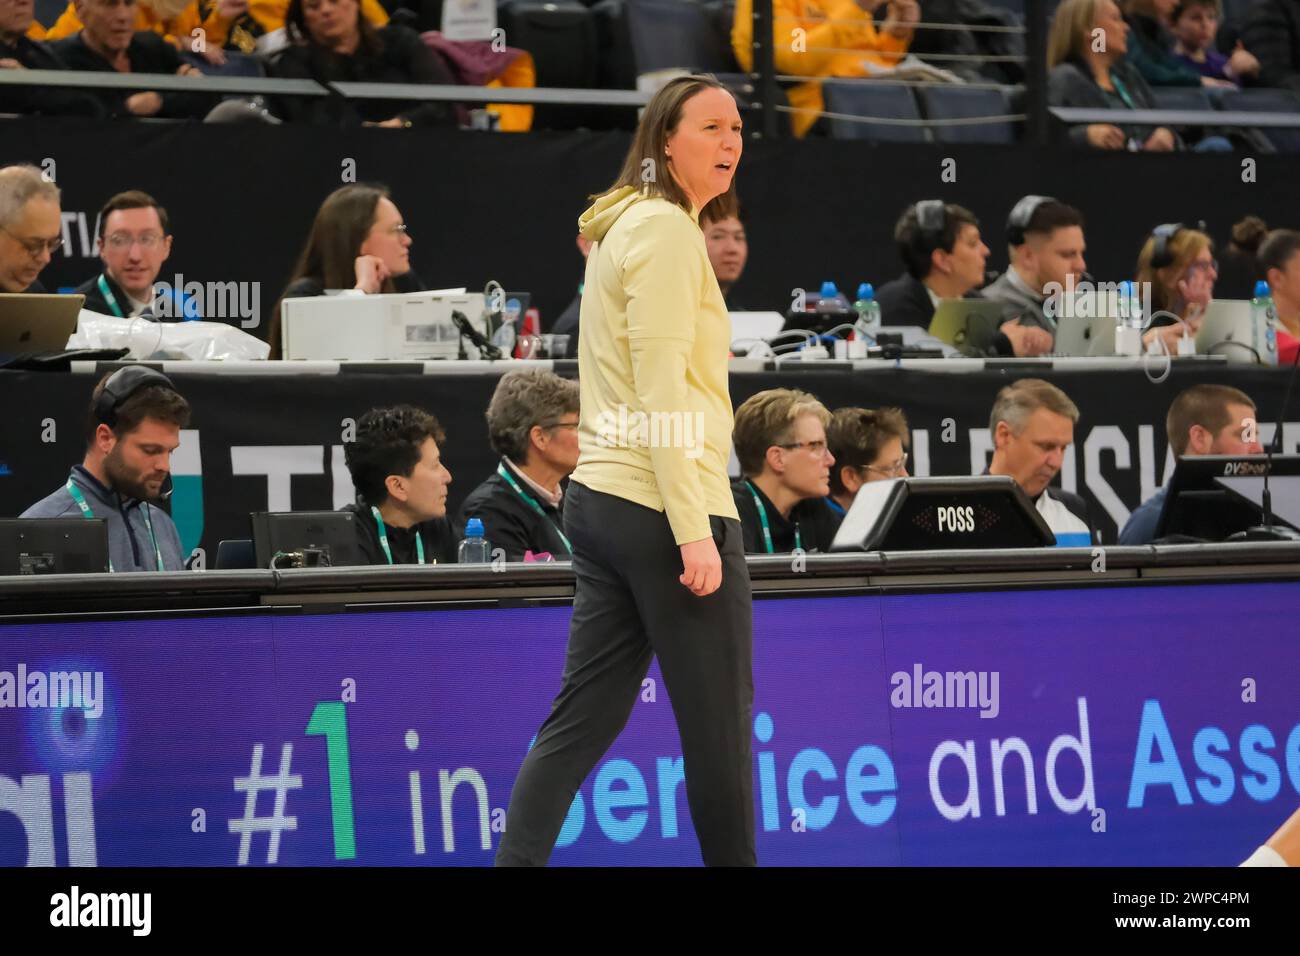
868	445
31	227
780	440
133	242
533	425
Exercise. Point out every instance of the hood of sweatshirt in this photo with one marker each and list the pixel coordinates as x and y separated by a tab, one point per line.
604	212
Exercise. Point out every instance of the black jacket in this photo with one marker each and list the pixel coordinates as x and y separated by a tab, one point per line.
35	55
816	522
1071	84
400	57
148	53
511	523
440	539
96	302
1272	33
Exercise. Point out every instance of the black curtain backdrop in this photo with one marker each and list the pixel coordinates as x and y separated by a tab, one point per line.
483	206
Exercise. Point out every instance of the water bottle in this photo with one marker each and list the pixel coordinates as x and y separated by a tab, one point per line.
868	309
830	298
1264	326
474	548
1128	328
504	337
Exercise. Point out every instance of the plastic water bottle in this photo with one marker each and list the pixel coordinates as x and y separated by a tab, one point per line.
868	309
1264	328
830	298
474	548
504	337
1128	328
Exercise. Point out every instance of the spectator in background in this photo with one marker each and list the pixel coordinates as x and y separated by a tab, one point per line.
175	20
836	38
331	42
1279	260
359	244
567	323
401	483
1272	33
133	242
31	227
1195	23
728	252
1032	424
1238	268
1203	420
1182	288
19	50
1151	46
533	425
1095	76
109	43
260	27
1046	256
945	260
780	440
867	445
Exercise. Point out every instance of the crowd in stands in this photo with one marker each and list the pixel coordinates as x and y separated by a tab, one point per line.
1101	54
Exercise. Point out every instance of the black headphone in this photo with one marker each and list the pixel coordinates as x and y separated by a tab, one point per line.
932	218
121	385
1021	213
1161	254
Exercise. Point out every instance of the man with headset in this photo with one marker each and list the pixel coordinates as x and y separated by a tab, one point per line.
941	247
136	416
1045	246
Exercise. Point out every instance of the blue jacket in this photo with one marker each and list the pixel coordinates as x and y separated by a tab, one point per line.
130	547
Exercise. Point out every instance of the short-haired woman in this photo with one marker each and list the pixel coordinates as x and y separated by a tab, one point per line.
657	558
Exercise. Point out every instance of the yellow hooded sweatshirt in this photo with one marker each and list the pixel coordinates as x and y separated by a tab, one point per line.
656	414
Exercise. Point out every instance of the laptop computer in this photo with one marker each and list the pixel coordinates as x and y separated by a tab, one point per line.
967	323
36	323
1231	328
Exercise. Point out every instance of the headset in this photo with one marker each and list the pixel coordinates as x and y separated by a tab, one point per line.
121	385
1021	213
932	218
1161	254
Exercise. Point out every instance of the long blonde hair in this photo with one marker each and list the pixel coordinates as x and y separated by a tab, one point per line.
1185	245
1072	24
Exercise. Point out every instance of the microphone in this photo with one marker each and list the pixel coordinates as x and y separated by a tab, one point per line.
474	335
1267	531
166	490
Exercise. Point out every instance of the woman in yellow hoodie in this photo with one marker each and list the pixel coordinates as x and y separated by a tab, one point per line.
657	555
825	38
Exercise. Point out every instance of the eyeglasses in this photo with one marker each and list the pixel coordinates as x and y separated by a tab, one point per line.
895	470
1212	265
818	448
123	240
398	230
561	425
35	246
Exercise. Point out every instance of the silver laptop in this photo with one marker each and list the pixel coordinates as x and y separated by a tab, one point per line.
37	323
1085	325
1231	328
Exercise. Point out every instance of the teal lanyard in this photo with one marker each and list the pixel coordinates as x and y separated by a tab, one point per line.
767	530
383	539
501	470
80	499
109	297
1123	93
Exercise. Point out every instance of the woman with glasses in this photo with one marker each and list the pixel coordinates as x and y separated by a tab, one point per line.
867	445
533	425
780	440
1180	269
358	245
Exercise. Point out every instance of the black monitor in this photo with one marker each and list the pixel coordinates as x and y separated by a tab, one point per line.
292	539
53	545
934	514
1211	497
